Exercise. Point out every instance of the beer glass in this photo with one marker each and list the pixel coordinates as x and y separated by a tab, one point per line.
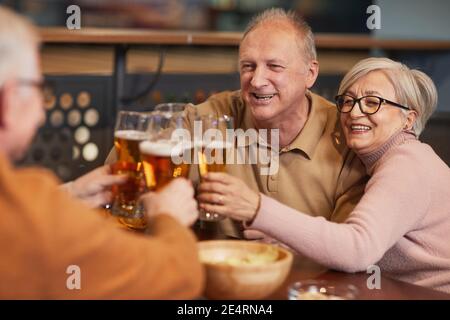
130	130
167	151
216	148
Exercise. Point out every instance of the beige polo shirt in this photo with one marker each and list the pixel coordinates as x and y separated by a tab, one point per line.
317	173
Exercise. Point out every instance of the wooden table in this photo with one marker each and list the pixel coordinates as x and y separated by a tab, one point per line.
304	268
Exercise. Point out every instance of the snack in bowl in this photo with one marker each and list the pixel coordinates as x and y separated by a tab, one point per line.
266	256
239	269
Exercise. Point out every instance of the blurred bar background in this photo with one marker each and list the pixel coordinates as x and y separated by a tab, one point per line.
93	78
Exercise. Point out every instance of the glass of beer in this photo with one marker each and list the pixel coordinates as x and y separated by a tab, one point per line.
130	130
216	148
166	155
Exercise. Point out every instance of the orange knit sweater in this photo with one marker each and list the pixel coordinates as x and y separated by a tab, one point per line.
43	232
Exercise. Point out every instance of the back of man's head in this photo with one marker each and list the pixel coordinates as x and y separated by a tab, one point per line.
18	38
301	27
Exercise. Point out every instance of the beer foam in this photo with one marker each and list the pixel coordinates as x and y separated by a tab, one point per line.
131	135
163	148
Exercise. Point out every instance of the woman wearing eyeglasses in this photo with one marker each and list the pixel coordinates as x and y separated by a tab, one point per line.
402	222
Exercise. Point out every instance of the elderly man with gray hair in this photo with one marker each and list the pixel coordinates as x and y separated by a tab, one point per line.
45	232
316	173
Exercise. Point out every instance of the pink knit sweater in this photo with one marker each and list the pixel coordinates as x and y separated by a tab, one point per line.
402	222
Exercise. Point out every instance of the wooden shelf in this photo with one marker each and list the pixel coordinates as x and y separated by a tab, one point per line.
55	35
135	36
352	41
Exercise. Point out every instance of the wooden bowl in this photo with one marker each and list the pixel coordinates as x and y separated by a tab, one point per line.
239	269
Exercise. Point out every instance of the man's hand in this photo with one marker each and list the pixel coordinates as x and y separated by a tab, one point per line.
227	195
94	187
176	199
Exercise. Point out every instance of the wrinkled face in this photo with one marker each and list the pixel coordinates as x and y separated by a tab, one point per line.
273	72
27	111
365	133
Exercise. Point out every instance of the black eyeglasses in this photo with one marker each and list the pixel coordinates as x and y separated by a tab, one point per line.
46	88
39	84
367	104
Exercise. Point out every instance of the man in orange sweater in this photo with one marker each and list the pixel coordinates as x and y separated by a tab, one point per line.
54	246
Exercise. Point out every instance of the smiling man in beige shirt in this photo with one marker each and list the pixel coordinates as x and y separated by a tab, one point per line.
316	172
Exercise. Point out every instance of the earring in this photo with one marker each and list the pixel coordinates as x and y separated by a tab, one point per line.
337	138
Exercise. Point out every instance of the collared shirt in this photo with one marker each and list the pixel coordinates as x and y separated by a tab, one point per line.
317	173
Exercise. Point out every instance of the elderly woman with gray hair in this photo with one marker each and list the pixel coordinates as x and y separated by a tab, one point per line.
402	222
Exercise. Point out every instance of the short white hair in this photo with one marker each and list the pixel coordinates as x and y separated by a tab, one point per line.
413	88
304	32
18	39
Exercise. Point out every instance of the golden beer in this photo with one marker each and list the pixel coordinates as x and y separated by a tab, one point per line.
158	166
212	157
126	143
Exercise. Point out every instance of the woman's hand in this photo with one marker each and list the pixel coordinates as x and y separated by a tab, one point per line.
176	199
94	187
227	195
